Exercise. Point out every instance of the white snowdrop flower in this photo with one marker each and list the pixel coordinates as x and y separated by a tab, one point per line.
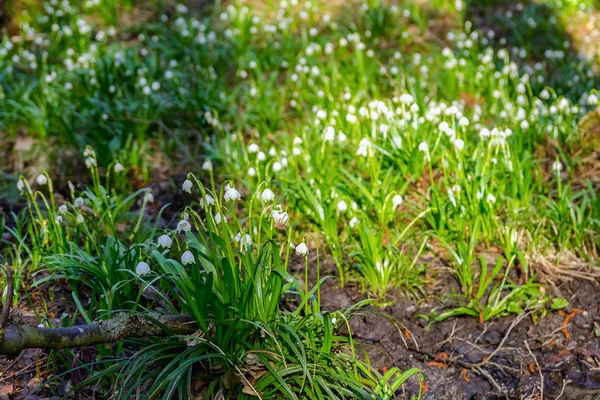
41	179
20	185
463	121
232	194
423	147
142	268
79	219
187	186
146	90
267	195
219	217
353	222
524	125
183	225
207	165
280	216
165	241
342	206
363	147
491	198
296	151
187	258
261	156
557	166
329	135
459	144
247	239
456	189
90	162
397	200
302	249
78	202
277	166
342	137
479	195
155	86
253	148
209	200
63	209
406	98
118	168
58	219
297	141
592	100
251	171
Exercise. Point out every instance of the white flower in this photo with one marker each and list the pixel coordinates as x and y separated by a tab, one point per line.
187	186
253	148
342	206
491	198
149	197
63	209
557	166
267	195
280	216
277	166
58	219
79	219
142	268
90	162
219	217
209	200
207	165
183	225
459	144
165	241
423	147
251	172
20	185
41	179
118	168
187	257
353	222
363	147
592	100
232	194
78	202
247	238
397	200
329	134
302	249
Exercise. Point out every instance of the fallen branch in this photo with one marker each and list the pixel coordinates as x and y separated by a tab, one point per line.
120	327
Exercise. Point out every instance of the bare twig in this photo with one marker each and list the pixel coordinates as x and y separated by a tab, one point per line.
562	390
538	368
505	337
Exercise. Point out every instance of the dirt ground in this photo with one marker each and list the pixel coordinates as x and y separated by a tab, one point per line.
462	358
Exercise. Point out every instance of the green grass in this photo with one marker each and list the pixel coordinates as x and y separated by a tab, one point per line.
386	132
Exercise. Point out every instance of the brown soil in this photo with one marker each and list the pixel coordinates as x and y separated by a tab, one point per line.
462	358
